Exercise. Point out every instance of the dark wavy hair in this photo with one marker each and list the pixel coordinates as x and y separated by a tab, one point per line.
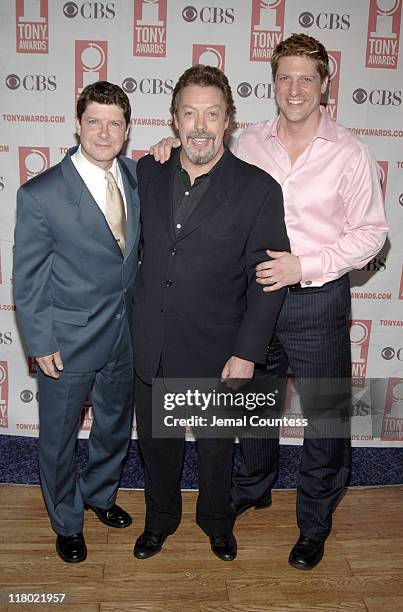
204	76
103	92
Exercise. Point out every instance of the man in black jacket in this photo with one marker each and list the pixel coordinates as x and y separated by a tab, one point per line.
207	220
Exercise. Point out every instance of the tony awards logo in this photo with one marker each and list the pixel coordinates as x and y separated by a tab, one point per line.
138	153
32	161
392	425
331	96
3	394
91	63
267	28
360	333
150	28
32	26
383	34
383	170
209	55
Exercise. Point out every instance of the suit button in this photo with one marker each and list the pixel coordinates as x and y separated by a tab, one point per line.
174	251
124	290
168	283
118	316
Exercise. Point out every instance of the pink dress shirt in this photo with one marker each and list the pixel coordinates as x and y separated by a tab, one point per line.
334	210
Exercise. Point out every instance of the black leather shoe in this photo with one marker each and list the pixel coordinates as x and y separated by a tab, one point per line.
148	544
306	553
113	517
224	547
263	502
71	549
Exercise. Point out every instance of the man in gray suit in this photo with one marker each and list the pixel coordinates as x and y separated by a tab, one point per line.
76	257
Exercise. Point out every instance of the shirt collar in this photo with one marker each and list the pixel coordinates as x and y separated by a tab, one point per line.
211	171
91	169
272	133
326	129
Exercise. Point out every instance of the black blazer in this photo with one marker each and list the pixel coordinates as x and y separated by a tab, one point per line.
196	299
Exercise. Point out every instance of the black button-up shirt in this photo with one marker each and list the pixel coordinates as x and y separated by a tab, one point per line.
186	197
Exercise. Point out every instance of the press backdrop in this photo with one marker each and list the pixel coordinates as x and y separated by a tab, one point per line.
51	49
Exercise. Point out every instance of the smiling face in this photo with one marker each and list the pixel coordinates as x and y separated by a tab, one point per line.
102	133
298	89
201	120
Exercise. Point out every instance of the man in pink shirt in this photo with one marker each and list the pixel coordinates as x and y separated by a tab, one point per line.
335	220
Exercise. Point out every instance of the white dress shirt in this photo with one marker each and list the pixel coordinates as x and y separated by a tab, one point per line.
95	180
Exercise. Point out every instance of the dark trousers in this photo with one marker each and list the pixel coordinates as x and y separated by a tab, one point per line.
312	338
60	405
163	462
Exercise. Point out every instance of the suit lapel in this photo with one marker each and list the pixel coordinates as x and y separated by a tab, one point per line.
133	207
163	192
89	215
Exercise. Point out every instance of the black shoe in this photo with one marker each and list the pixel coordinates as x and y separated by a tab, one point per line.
113	517
224	547
148	544
71	549
306	553
263	502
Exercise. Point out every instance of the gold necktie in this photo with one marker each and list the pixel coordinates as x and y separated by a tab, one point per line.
115	211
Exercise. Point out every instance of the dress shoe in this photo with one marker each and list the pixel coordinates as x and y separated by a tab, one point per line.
262	503
224	546
306	553
71	549
148	544
113	517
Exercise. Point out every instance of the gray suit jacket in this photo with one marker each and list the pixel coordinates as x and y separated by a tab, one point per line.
70	278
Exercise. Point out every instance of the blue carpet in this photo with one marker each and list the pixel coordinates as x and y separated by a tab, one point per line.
370	466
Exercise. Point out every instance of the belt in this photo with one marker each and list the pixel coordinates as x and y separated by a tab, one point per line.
297	288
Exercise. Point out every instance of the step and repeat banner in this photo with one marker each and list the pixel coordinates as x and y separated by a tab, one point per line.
51	49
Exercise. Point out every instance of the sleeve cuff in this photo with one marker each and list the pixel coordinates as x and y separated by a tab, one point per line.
311	269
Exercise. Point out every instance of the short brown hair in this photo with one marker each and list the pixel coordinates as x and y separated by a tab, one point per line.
103	92
307	46
204	76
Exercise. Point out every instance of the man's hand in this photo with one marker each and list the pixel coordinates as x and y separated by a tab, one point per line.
50	365
162	150
284	269
236	372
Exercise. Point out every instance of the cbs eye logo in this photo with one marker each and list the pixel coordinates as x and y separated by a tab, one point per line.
26	396
129	85
389	353
306	19
189	14
360	96
70	10
244	89
209	14
13	81
378	97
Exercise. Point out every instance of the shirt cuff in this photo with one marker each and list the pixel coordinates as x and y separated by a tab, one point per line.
311	270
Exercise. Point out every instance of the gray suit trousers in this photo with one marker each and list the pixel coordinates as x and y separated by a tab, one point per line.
60	404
